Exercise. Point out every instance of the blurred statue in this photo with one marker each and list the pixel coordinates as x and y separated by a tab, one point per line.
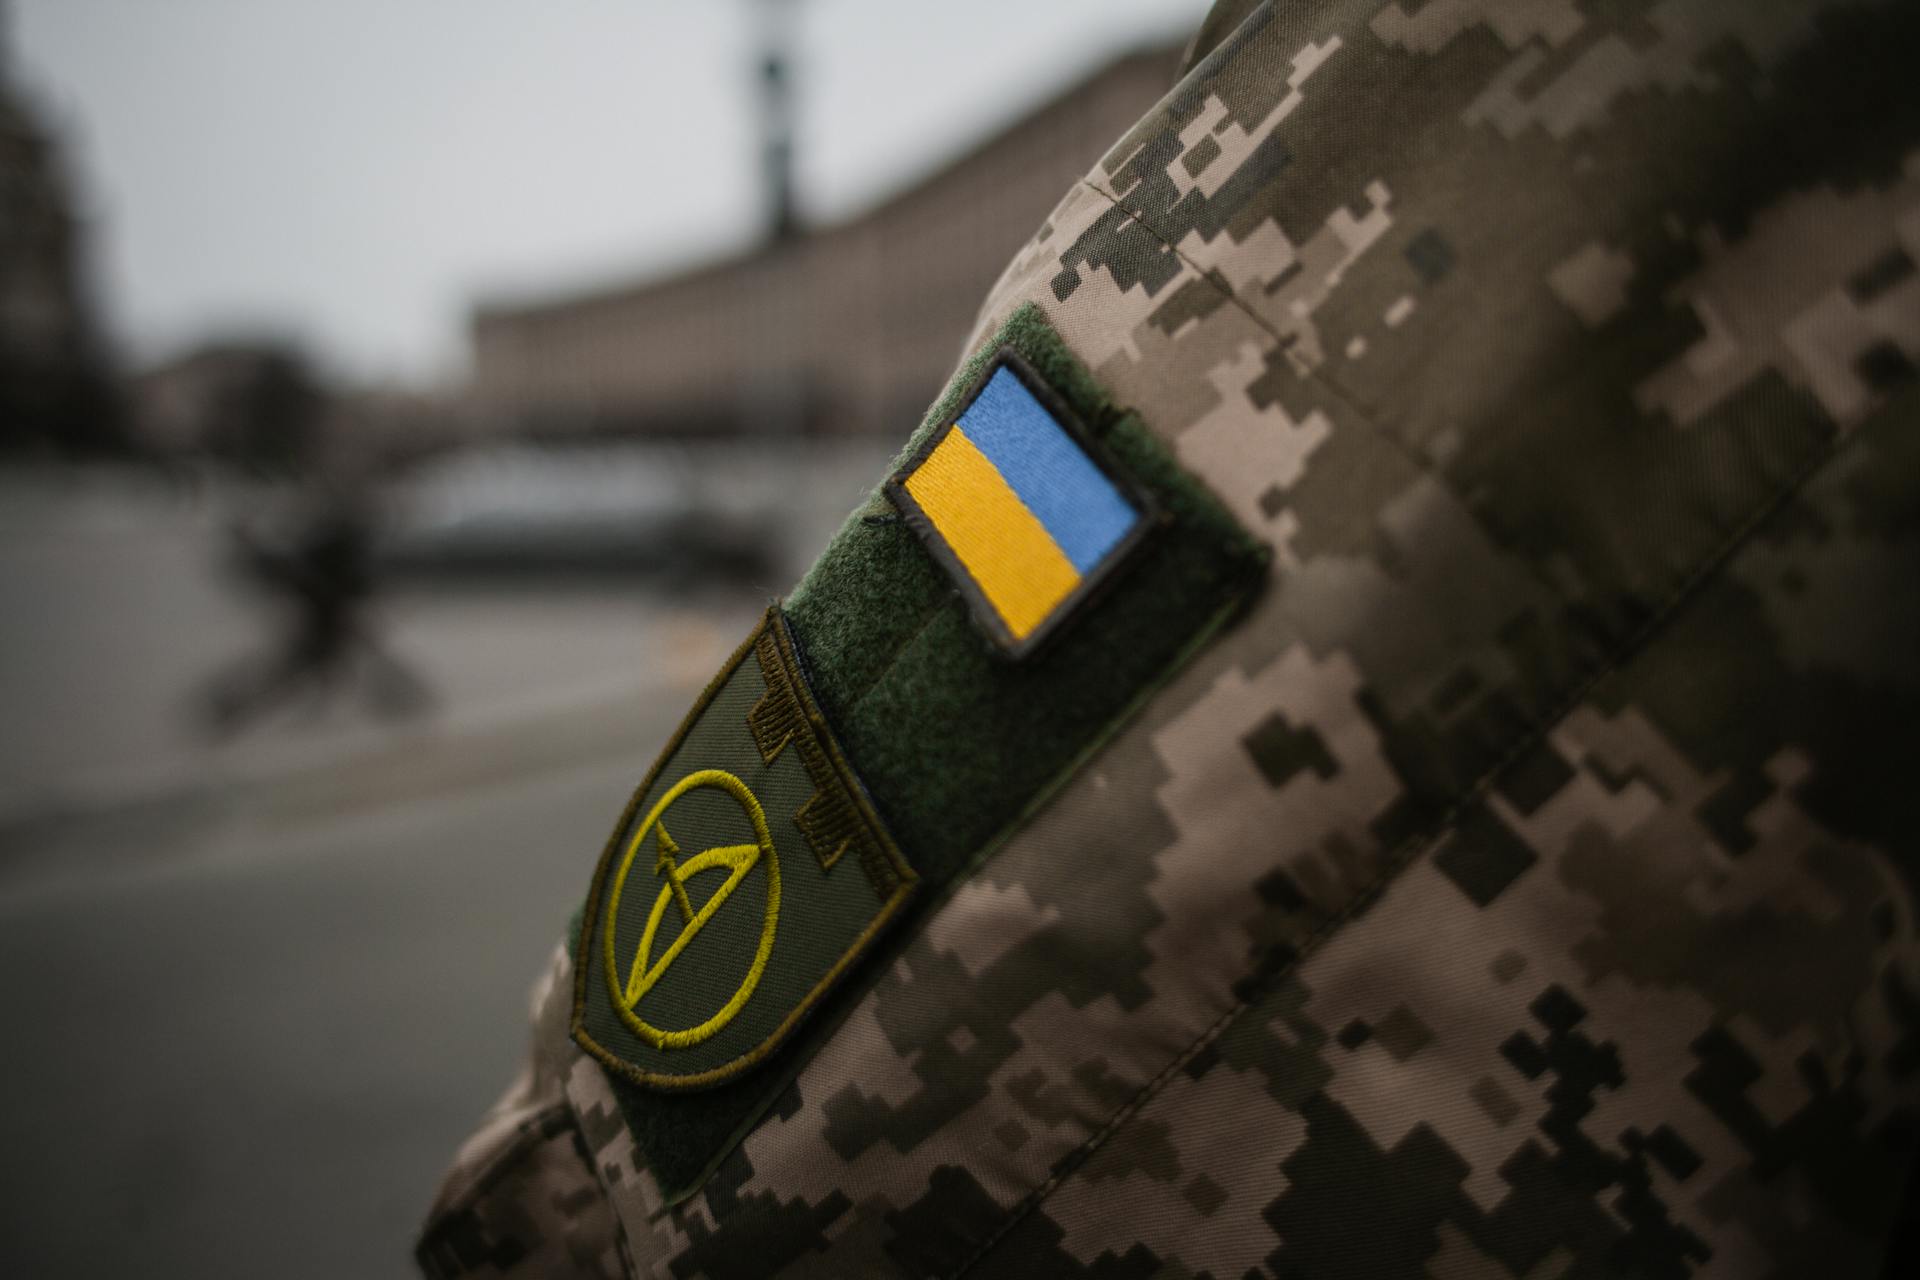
776	119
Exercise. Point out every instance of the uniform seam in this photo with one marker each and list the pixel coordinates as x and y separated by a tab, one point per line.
542	1125
1362	418
1410	850
893	660
1280	342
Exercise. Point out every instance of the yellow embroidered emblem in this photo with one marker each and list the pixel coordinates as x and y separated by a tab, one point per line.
745	878
737	861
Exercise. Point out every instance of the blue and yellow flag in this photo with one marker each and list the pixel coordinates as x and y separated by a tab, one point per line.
1013	501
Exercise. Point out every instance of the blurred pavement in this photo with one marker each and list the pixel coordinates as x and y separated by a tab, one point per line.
259	991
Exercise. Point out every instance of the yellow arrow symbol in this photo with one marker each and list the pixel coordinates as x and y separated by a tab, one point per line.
737	859
667	867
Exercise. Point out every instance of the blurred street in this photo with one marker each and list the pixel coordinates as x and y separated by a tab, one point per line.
260	989
259	1061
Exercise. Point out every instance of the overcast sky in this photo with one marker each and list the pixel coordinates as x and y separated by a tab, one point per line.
354	173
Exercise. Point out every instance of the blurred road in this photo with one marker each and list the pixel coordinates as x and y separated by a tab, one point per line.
258	992
257	1063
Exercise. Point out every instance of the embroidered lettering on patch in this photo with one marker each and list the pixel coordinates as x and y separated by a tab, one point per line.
745	877
1017	504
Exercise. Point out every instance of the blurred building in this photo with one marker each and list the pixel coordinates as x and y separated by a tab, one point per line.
256	401
55	392
849	328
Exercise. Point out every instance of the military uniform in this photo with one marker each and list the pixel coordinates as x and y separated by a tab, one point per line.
1490	851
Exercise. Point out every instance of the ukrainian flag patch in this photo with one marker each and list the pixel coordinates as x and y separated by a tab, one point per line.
1016	502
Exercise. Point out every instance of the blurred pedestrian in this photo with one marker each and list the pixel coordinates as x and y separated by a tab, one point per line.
320	573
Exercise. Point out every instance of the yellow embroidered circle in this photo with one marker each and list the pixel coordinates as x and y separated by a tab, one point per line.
737	861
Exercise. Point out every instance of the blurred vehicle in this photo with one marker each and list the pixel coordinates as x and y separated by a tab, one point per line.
522	511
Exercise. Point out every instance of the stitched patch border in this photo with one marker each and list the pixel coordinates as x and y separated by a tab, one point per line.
1093	582
839	823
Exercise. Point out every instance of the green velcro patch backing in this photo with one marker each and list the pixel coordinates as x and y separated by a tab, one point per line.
955	741
943	744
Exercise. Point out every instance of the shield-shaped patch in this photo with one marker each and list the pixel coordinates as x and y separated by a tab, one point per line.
747	874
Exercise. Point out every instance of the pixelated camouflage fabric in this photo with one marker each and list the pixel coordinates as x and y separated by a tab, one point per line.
952	741
522	1198
1526	888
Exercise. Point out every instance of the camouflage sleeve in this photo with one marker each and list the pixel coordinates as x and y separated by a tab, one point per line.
1526	886
521	1199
